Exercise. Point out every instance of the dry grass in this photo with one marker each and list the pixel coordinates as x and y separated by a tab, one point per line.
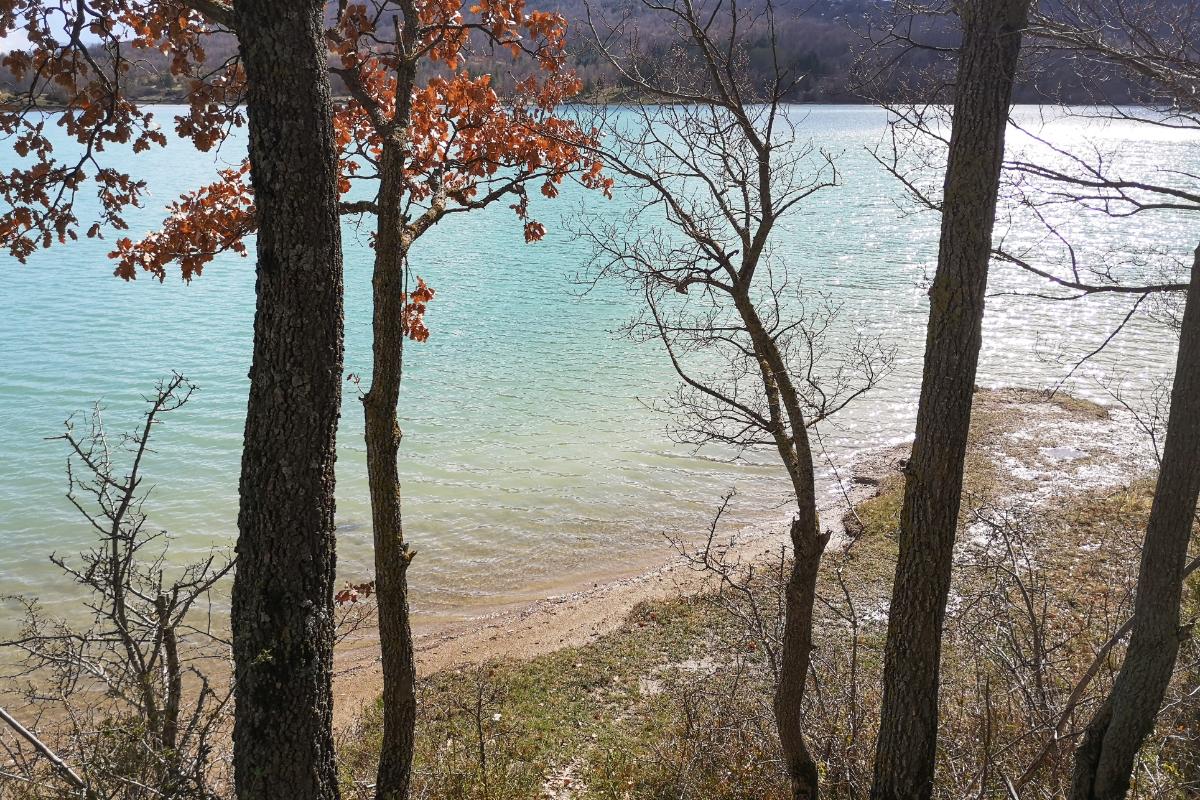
676	704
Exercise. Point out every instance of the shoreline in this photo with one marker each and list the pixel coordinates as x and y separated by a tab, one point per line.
579	616
1029	451
1037	436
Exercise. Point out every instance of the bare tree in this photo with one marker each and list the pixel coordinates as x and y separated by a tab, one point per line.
714	161
1152	45
1156	47
907	743
135	698
1105	758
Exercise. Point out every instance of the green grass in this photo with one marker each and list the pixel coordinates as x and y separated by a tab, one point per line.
598	715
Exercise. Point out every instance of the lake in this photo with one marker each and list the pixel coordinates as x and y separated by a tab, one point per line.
531	458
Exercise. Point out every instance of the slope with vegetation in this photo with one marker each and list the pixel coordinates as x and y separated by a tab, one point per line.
821	40
675	701
983	631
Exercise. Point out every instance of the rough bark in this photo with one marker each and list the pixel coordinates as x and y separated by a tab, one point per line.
283	591
1104	761
906	747
392	554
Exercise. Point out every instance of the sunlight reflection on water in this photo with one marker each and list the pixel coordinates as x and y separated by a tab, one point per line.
530	458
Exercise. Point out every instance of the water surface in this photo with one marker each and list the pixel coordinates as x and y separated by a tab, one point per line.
530	459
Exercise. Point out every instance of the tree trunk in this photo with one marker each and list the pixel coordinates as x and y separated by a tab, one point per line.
283	590
906	747
392	554
1104	761
808	545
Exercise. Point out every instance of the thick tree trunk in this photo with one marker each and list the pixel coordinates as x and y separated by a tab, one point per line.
1104	761
392	553
907	741
283	590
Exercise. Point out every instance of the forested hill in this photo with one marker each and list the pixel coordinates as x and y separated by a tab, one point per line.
823	41
817	39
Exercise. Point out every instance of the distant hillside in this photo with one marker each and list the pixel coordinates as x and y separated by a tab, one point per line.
819	44
819	39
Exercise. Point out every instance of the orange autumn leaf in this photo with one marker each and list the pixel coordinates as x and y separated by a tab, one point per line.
467	144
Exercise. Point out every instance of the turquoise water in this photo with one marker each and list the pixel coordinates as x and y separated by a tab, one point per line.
531	460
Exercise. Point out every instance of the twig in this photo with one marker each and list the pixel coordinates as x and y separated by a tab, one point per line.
45	750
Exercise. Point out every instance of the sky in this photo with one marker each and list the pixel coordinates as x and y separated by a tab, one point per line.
13	41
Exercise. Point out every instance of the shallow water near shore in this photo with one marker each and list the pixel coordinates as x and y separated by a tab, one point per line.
530	458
